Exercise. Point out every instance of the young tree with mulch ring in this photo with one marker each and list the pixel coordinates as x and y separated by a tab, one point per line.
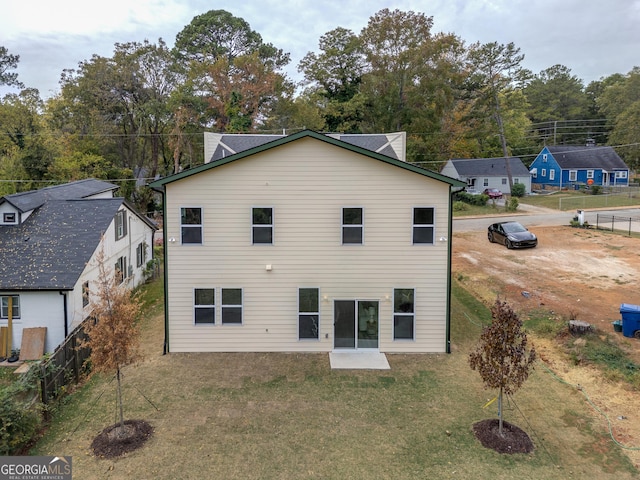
501	356
114	339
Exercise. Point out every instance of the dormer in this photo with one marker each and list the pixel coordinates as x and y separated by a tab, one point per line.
9	215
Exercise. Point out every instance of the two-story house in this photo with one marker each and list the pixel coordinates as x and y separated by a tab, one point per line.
564	166
49	239
307	243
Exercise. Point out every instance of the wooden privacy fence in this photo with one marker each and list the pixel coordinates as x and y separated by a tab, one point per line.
65	366
613	222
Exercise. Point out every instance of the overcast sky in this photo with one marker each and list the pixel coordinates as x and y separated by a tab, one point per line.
593	38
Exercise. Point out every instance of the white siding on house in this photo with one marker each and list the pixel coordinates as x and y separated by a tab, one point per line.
307	182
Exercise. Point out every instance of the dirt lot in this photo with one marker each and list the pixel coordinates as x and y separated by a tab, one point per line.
576	273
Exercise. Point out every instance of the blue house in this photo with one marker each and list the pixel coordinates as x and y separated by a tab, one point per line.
566	166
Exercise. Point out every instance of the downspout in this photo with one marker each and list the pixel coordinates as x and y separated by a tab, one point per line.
449	256
65	314
165	348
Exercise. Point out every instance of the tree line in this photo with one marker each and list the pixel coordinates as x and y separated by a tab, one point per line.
140	113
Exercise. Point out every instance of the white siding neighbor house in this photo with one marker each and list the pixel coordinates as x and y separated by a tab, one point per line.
49	239
307	243
481	173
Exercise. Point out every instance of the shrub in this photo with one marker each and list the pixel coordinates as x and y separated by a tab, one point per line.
596	189
518	190
478	200
20	416
511	205
460	206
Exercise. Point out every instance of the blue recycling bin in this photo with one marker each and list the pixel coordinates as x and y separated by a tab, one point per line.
630	319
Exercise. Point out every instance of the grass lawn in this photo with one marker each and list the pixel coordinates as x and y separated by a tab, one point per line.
289	416
571	200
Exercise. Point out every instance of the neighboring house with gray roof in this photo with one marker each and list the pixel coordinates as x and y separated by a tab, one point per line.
565	166
221	145
49	239
481	173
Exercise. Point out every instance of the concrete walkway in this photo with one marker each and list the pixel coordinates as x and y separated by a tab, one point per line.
358	360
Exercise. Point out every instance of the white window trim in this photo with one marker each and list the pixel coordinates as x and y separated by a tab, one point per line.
6	317
192	225
421	225
590	174
552	174
543	172
264	225
241	305
343	225
573	175
195	306
394	314
309	313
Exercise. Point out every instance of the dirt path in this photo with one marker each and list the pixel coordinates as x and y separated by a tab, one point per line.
575	273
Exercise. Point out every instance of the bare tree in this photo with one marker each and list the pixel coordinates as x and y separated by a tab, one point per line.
114	336
501	356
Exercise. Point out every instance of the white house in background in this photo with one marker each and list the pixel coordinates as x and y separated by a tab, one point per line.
481	173
49	239
307	243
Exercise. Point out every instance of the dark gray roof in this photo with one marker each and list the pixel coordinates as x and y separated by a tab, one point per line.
489	167
51	248
32	199
239	143
572	156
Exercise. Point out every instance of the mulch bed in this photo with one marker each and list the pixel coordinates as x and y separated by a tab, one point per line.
513	439
112	442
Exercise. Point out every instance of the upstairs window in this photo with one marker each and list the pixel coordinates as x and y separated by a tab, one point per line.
352	226
544	158
121	224
423	225
204	306
15	306
262	225
191	225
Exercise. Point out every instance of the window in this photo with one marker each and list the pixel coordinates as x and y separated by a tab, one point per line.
232	306
121	224
352	226
85	294
140	254
423	228
308	313
485	182
262	225
552	174
573	175
543	172
504	181
191	225
516	181
9	217
544	157
121	269
621	174
589	173
15	306
204	306
403	314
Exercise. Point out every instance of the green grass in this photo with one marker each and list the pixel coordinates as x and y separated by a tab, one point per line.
281	416
571	200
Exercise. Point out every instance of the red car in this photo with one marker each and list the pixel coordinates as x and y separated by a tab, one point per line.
492	193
